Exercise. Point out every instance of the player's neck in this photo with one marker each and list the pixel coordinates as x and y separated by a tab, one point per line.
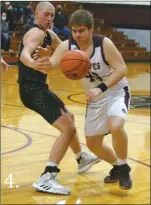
41	27
85	45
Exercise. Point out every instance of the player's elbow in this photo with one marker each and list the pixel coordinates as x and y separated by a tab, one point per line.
124	71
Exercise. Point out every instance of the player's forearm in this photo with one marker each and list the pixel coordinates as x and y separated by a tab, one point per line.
115	77
54	62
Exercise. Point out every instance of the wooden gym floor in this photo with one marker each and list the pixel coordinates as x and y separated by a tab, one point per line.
26	139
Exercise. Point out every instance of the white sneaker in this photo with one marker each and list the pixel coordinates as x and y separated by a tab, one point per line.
86	160
49	183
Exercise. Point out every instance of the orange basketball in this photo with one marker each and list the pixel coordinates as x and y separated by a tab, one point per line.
75	64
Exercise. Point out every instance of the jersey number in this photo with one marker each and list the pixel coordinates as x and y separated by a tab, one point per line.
93	76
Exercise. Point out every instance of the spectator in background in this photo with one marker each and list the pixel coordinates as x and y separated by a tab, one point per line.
7	7
28	12
29	22
6	33
60	23
19	8
11	16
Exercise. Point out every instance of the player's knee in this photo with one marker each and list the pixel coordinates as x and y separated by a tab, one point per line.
70	130
114	127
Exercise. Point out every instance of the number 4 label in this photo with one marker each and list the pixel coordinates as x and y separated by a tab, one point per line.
9	181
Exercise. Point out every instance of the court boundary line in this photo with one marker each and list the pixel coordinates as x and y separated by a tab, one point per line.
28	143
134	160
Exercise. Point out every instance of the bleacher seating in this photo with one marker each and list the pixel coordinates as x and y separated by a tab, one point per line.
130	50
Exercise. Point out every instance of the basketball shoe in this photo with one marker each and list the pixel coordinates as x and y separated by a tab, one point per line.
86	160
121	174
48	183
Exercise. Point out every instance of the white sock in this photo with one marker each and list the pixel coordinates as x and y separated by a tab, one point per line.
122	161
78	155
51	164
119	162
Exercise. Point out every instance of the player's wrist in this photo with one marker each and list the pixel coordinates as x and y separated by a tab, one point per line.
103	87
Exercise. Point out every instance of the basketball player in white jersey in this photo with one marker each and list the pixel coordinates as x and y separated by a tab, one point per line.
107	94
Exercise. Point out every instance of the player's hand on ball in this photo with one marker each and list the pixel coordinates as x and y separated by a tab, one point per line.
40	52
93	93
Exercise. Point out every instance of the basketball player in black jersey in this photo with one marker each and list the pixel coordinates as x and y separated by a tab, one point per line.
107	93
36	96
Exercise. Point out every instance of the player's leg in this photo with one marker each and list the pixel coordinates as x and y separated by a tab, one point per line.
95	127
85	159
96	145
67	129
51	108
48	180
117	111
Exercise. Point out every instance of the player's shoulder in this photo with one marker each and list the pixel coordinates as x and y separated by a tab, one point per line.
103	41
35	32
107	42
98	40
101	38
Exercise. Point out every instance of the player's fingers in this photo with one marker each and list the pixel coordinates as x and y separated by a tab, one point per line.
35	54
39	47
35	57
6	68
44	60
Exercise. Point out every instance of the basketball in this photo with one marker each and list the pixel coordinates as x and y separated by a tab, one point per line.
75	64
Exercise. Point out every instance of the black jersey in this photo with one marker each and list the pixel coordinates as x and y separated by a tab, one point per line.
27	74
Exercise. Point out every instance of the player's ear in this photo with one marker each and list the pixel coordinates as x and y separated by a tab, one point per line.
36	14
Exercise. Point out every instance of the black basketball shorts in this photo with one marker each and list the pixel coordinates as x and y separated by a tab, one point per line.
42	100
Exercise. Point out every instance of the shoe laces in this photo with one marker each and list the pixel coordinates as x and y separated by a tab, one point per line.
52	176
86	154
114	171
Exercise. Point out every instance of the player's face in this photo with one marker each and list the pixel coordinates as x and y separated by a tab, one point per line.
81	33
46	17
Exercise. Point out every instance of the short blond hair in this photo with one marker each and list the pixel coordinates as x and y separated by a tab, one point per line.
44	5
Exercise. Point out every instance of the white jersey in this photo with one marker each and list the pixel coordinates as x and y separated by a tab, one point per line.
100	69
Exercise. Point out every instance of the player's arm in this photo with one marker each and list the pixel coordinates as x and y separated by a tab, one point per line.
55	39
54	60
48	51
31	41
116	61
4	64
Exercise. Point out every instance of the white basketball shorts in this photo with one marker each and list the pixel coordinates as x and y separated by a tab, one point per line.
115	104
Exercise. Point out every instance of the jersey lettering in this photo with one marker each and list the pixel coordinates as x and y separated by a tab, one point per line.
96	66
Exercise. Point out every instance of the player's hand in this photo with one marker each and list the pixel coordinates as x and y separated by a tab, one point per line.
40	52
38	64
93	93
4	65
43	64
